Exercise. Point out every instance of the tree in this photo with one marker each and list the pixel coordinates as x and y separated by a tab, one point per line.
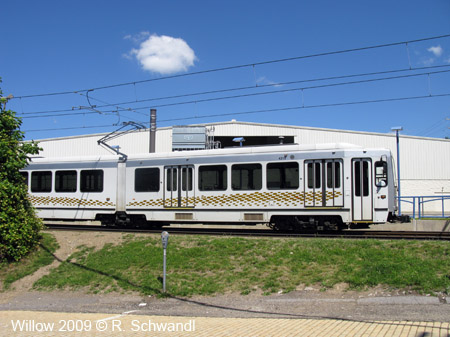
19	226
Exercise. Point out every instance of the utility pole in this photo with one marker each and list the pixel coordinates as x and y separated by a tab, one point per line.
397	129
152	147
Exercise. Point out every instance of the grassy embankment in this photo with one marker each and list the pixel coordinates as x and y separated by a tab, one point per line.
210	265
42	256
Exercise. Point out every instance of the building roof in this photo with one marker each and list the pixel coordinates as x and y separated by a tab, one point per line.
265	125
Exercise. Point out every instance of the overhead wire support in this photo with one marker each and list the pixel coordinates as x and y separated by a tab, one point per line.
254	75
303	98
93	108
429	84
115	105
87	97
409	57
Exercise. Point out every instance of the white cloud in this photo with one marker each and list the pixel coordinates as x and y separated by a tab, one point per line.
265	81
138	38
163	54
428	61
437	51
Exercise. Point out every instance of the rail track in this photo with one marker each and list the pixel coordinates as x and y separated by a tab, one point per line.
345	234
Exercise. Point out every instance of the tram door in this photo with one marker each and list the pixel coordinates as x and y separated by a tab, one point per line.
362	189
178	186
323	183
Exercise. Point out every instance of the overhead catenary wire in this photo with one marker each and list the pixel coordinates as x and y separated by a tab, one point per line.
136	106
329	53
310	107
284	91
432	128
292	82
235	96
72	128
267	110
244	88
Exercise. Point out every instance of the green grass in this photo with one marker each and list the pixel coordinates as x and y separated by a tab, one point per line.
206	266
42	256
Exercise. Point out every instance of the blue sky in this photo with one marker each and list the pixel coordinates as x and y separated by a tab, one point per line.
62	46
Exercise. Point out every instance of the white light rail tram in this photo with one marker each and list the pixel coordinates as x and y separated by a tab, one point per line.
288	187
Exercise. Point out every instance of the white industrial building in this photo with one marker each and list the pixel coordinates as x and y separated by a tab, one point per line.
424	162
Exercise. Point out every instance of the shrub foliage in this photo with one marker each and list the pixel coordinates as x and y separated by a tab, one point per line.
19	226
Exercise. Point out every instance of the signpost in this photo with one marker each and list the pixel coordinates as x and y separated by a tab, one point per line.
165	242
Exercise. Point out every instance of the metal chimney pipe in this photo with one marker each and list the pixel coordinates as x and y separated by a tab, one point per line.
152	130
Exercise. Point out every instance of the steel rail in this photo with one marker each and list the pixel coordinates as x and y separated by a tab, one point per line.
345	234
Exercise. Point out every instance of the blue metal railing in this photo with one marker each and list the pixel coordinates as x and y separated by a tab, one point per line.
419	202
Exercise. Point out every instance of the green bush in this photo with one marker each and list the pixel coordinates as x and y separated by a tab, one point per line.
19	226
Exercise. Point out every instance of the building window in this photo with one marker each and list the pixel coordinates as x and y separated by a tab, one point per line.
282	176
66	181
212	178
146	180
246	177
41	181
91	181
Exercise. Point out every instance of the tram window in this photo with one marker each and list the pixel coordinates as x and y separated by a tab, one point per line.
172	179
212	178
310	175
41	181
186	178
357	179
317	174
246	177
381	178
337	175
25	177
146	179
365	179
65	181
91	181
282	176
314	175
333	175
